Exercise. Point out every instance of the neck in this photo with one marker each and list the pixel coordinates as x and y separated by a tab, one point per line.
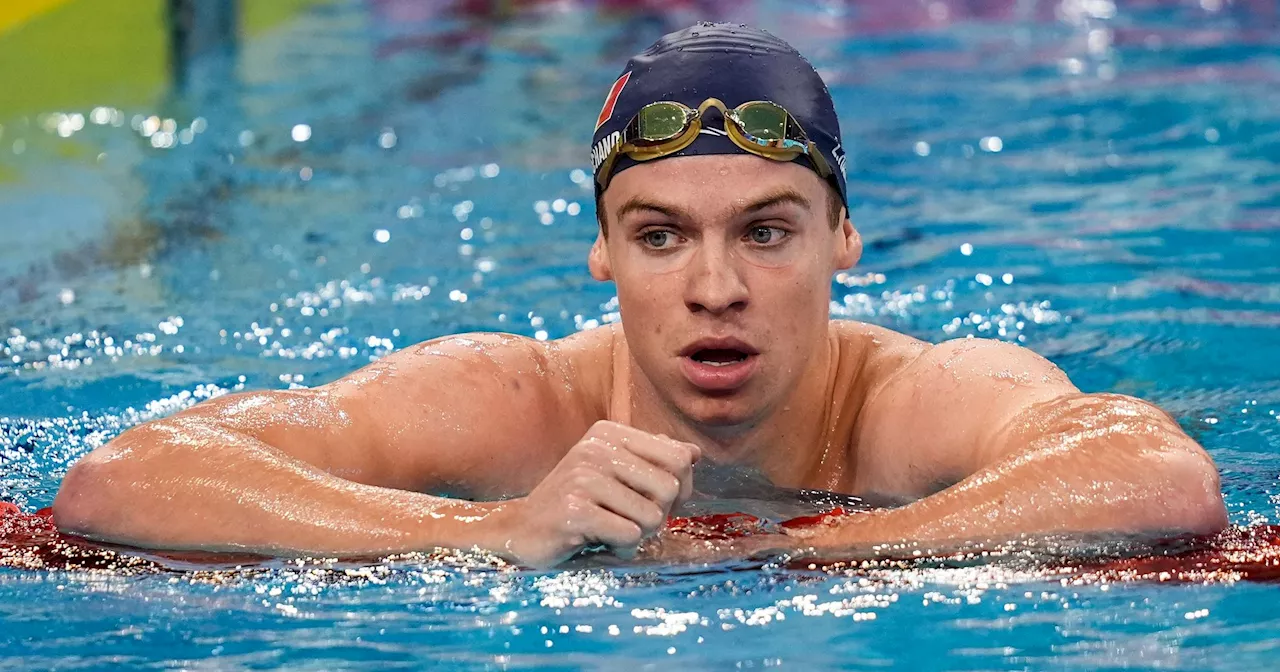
796	441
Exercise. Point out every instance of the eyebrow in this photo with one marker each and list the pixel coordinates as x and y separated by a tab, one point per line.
638	204
781	197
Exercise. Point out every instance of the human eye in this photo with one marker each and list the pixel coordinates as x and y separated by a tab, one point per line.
766	236
658	239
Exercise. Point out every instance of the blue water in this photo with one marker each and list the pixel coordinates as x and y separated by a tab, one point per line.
1098	183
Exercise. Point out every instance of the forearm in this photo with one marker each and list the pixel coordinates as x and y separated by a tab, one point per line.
1098	466
184	484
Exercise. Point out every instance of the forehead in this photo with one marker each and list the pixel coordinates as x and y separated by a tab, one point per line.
713	182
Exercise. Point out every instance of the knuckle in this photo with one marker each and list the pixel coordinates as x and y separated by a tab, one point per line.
581	479
574	505
592	448
652	518
680	451
603	428
669	488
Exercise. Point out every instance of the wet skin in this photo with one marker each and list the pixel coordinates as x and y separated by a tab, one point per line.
725	352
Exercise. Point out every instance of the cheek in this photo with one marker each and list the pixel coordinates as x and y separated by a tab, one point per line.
797	290
799	308
641	285
648	299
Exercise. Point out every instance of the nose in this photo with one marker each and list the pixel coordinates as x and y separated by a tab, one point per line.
715	284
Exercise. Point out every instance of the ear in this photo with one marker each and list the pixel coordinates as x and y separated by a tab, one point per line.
849	249
598	259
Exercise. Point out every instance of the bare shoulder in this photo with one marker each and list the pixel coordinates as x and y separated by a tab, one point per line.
962	362
929	414
574	368
878	353
480	412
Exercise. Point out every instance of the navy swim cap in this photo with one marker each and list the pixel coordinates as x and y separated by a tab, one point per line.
732	62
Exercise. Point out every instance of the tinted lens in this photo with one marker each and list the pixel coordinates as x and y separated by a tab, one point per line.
763	121
660	121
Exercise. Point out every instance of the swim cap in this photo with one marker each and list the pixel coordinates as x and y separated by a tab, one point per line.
732	62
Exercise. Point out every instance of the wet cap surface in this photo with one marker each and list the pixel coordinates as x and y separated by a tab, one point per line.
732	62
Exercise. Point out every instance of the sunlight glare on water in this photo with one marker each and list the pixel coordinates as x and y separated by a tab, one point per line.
1095	181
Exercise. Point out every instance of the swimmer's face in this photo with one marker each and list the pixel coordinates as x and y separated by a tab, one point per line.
723	265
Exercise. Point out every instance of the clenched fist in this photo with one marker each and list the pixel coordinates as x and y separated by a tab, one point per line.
614	488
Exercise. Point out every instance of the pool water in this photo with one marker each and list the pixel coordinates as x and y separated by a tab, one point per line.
1096	182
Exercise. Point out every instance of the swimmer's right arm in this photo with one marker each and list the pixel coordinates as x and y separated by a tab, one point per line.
340	470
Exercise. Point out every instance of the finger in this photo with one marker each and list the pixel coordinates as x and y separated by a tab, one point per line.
672	456
622	499
686	486
602	526
663	451
654	483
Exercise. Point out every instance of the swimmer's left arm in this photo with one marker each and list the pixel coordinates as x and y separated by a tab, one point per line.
998	443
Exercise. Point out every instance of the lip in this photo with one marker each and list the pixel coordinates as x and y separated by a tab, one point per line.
724	378
720	343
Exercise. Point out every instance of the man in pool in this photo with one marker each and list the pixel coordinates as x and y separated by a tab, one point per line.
722	209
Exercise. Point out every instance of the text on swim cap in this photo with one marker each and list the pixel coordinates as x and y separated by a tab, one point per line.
601	150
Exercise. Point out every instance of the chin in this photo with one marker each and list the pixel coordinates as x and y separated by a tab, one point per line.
721	411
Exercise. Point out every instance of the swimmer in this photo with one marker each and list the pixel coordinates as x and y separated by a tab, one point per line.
722	208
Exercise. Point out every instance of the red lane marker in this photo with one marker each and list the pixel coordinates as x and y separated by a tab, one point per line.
1237	554
31	541
827	518
717	526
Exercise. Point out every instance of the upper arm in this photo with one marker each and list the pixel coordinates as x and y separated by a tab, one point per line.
939	417
473	415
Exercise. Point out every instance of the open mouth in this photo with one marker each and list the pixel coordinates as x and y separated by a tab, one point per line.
719	356
719	365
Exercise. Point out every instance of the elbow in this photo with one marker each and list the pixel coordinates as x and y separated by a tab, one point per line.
1192	500
83	504
1183	488
101	493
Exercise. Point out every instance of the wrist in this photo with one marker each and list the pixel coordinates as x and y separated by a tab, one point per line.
459	524
491	526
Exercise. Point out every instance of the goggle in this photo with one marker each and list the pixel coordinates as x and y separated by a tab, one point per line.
761	127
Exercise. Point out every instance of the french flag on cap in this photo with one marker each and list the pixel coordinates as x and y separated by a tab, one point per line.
607	110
